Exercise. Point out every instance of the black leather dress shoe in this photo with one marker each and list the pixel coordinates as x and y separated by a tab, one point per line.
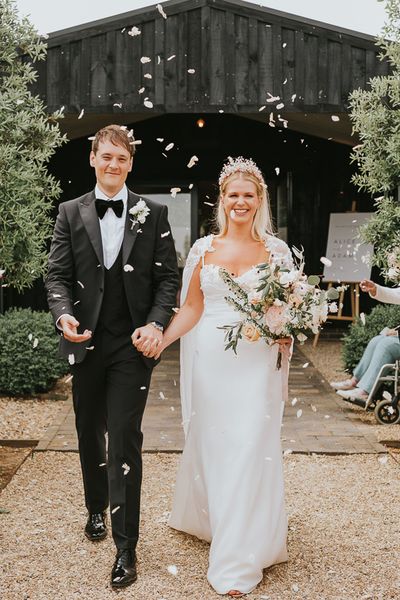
124	570
96	529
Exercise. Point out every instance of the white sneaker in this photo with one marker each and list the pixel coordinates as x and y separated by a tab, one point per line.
342	385
354	394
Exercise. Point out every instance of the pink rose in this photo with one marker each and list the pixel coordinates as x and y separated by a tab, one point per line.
276	319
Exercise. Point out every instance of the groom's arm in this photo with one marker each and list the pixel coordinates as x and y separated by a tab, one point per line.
58	282
165	273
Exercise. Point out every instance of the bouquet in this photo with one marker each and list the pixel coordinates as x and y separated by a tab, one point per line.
283	303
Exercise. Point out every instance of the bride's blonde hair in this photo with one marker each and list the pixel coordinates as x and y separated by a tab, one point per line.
245	169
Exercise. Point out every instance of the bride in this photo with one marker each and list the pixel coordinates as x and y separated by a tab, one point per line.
229	488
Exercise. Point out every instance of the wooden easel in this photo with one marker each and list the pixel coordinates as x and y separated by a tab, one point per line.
354	290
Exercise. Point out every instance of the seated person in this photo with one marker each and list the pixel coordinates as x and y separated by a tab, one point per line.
382	349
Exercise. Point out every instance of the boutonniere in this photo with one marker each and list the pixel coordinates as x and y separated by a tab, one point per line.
139	213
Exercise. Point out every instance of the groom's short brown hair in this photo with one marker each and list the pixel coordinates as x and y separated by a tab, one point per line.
117	135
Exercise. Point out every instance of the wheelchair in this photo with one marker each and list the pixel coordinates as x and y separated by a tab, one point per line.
385	395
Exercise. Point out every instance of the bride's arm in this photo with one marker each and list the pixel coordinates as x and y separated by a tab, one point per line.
187	317
189	314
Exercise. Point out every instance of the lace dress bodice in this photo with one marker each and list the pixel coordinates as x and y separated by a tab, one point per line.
214	288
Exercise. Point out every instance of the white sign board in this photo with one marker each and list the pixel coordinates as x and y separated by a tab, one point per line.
349	256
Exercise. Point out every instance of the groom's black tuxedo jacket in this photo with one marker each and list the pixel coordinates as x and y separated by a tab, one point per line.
75	278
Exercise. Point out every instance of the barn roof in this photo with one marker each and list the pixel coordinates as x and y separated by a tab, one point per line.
207	56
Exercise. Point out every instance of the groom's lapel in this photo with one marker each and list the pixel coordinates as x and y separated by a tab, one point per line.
130	234
87	209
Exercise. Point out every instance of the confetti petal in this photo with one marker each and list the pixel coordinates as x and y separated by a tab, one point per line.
174	191
134	31
192	162
326	261
128	268
172	569
161	11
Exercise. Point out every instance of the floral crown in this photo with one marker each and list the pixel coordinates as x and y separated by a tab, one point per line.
244	165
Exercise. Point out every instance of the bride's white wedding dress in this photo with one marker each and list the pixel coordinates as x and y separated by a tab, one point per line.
229	488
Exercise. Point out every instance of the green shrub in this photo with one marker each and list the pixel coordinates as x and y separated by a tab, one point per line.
29	361
355	342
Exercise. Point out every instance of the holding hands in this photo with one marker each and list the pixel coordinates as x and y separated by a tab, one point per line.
148	340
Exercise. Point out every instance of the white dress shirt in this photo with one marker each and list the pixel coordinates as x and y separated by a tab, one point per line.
112	231
112	227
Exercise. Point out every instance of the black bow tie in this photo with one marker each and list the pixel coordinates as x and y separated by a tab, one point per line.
103	205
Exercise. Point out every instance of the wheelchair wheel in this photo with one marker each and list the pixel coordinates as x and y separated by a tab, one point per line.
386	413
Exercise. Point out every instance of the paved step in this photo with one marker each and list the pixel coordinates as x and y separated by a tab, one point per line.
326	425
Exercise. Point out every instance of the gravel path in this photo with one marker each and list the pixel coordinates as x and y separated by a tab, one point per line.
27	419
343	537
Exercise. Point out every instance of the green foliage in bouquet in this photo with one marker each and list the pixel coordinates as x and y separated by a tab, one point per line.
28	138
356	340
29	361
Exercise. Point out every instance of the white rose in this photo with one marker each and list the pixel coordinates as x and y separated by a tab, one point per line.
287	278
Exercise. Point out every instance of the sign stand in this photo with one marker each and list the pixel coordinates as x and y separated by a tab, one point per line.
347	264
354	290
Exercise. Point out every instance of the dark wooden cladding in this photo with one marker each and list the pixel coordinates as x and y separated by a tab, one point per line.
334	72
288	64
240	53
265	64
218	69
310	70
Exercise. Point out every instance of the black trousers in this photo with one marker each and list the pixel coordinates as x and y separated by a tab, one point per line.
110	389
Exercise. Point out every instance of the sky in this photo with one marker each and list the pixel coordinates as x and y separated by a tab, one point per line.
366	16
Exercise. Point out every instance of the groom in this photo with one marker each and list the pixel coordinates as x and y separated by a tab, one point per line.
112	274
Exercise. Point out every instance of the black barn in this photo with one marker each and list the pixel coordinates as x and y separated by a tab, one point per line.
215	78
